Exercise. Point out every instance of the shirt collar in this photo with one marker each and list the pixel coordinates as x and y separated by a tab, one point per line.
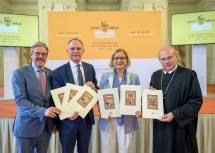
35	68
73	64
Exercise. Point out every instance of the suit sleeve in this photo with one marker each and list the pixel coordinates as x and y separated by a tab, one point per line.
25	105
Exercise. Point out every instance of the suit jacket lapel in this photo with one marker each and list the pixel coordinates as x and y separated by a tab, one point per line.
69	74
48	82
85	72
128	78
110	80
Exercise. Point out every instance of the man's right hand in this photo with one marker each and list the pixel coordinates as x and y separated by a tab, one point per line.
52	112
74	115
138	114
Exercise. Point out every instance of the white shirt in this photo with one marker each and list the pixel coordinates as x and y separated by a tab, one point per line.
74	69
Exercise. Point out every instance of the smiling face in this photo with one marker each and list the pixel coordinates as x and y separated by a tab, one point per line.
168	58
75	50
39	56
120	61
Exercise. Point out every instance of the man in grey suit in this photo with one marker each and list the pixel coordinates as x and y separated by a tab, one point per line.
31	85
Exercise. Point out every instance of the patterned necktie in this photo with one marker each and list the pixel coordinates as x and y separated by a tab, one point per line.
42	81
80	76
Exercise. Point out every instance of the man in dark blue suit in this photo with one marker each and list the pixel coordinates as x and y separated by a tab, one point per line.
31	84
75	128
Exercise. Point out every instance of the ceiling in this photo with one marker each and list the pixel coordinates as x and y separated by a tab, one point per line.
94	1
100	4
22	1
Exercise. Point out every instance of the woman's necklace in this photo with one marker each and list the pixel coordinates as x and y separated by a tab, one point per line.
168	83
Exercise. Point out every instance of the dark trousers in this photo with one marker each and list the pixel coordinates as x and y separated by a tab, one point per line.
80	132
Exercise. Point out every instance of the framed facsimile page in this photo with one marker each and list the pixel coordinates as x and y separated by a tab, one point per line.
130	99
83	101
58	96
70	91
109	102
152	104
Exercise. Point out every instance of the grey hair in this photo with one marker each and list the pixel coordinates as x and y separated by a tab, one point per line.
38	44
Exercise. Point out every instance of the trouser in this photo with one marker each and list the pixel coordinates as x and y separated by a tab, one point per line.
80	133
114	137
34	144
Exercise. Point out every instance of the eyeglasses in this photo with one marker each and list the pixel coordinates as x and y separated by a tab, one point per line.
168	58
40	53
119	58
77	48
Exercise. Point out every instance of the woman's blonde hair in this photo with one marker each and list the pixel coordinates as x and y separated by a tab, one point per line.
126	55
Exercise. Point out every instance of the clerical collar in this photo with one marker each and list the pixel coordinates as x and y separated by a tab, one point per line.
171	70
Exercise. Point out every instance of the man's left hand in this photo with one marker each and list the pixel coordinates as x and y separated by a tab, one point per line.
167	117
91	85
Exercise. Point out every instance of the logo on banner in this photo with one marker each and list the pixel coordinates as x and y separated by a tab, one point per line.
201	23
201	20
9	22
8	25
105	30
104	26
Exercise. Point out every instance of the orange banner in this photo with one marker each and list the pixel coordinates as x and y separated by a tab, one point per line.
101	32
